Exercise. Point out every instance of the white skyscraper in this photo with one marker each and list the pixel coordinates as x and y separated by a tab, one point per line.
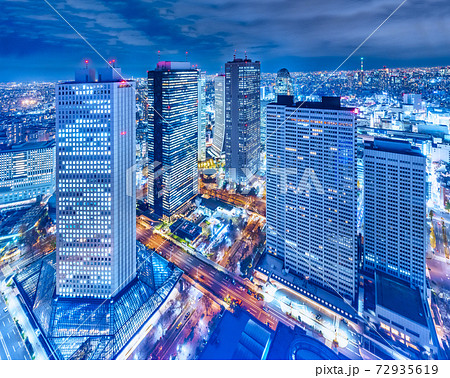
311	190
395	210
96	200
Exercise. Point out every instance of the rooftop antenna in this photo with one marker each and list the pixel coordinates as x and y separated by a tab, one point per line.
362	64
186	56
246	55
86	62
114	63
234	55
159	56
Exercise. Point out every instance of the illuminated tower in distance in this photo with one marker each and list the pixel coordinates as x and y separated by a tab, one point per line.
242	118
283	85
219	115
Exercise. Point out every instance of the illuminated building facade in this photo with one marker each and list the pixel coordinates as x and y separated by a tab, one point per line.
201	116
172	137
242	119
311	190
26	171
219	115
96	210
395	210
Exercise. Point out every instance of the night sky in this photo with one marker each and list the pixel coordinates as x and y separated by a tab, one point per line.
301	35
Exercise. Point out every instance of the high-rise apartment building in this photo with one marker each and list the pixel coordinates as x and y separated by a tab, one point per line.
395	210
242	119
311	190
201	113
26	171
96	200
172	137
219	115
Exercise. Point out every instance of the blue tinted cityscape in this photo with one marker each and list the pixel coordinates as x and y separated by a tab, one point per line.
205	205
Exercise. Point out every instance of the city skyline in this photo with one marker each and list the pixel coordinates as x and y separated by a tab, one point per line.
225	203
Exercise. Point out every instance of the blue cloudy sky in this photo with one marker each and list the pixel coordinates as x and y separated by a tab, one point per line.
36	44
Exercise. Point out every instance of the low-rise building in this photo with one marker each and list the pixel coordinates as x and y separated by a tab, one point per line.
27	171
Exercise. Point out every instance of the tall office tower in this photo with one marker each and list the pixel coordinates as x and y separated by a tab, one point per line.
283	85
311	190
201	116
26	171
242	118
395	210
96	200
172	133
219	115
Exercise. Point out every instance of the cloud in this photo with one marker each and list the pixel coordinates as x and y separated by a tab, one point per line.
305	34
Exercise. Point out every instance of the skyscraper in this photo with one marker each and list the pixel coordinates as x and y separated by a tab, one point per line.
201	116
395	210
311	190
242	118
173	137
219	115
96	214
283	85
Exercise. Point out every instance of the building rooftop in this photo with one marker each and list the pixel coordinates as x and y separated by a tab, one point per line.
173	66
213	204
394	295
327	103
186	229
393	145
109	74
27	146
238	336
240	60
273	268
294	344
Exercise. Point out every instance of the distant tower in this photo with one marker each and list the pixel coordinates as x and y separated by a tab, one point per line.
242	118
219	115
361	73
283	85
